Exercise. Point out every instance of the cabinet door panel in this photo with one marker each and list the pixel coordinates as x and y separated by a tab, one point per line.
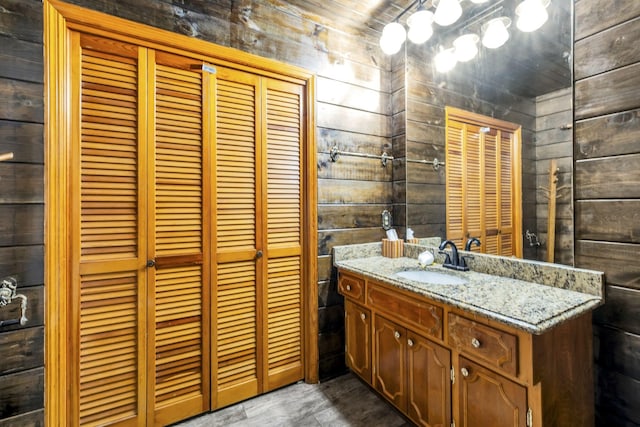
358	339
389	359
429	382
488	399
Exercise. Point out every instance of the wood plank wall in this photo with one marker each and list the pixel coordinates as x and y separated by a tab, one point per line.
607	194
352	112
427	94
22	210
353	90
554	140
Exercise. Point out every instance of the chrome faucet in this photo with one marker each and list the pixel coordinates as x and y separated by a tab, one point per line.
452	260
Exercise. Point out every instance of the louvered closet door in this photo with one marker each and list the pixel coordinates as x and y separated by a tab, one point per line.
237	288
455	182
178	223
283	310
109	282
479	187
142	332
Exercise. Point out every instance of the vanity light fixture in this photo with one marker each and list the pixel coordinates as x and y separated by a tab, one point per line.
466	47
447	11
445	60
532	14
393	35
420	25
495	32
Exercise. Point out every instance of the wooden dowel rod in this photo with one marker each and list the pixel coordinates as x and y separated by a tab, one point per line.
6	156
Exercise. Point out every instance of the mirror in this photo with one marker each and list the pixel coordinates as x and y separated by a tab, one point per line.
527	81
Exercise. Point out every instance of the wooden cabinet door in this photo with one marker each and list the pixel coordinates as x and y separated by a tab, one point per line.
428	382
358	339
489	399
389	358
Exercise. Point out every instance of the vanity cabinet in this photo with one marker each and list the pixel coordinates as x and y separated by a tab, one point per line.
357	329
489	399
442	366
412	372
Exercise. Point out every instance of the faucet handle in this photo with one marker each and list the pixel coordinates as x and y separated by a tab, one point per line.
447	258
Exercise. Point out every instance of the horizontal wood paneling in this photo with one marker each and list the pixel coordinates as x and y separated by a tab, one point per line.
618	90
22	101
29	419
350	191
22	349
21	392
327	239
613	48
609	135
335	92
607	132
25	140
343	118
611	177
617	260
612	220
21	20
24	262
21	183
21	60
21	224
592	18
35	308
350	216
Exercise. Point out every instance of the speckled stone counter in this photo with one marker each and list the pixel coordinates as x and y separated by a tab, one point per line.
530	306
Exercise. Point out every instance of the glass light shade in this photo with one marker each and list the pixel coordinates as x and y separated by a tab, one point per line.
389	46
445	60
447	12
532	14
394	32
495	32
420	29
466	47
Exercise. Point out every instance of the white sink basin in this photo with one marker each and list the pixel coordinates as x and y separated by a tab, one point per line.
432	277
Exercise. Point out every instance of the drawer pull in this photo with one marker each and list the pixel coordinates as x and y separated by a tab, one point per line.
475	343
410	342
348	287
465	372
396	334
363	316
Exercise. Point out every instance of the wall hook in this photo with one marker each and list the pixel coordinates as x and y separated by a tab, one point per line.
7	295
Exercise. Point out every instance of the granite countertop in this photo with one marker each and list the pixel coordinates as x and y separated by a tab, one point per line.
532	307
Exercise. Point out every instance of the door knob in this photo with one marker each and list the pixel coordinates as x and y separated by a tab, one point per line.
151	263
258	254
465	372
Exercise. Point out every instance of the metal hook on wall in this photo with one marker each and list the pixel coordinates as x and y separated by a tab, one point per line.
7	295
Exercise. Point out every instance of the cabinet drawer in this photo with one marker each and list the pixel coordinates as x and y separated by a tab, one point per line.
425	316
493	346
352	287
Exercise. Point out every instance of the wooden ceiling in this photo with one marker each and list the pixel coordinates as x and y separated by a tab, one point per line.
529	64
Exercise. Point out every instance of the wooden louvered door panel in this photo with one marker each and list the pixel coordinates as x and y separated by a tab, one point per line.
109	282
142	333
455	179
283	362
237	288
178	325
482	198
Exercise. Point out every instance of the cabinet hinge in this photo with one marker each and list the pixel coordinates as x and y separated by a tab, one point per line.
453	377
529	418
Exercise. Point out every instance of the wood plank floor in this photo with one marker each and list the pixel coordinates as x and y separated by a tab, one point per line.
341	402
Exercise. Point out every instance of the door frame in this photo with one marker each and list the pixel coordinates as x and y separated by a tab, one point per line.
60	19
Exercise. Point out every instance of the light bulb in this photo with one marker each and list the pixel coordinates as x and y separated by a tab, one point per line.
420	29
495	32
445	60
389	46
395	32
532	14
447	12
466	47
